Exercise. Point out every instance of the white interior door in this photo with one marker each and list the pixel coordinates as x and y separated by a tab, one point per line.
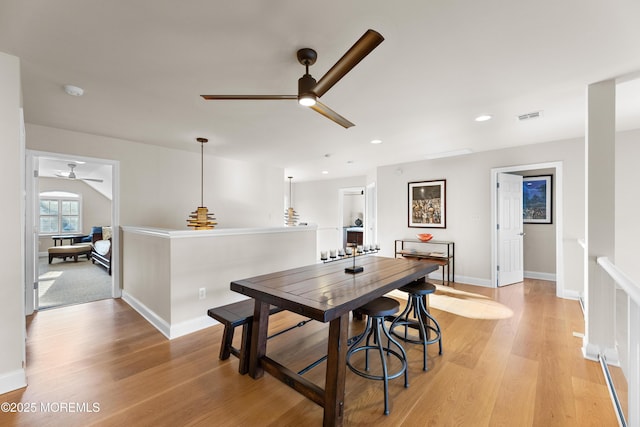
510	229
370	221
31	234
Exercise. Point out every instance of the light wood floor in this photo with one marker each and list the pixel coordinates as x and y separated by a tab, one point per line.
510	359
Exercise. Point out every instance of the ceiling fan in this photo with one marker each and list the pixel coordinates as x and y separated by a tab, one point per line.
308	90
72	175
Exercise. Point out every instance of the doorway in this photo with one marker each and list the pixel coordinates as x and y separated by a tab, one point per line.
55	167
556	168
352	216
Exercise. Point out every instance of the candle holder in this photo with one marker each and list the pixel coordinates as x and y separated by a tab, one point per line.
355	269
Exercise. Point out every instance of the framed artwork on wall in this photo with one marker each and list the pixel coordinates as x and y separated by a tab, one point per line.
536	199
427	204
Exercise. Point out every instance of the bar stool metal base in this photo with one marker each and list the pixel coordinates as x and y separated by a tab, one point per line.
376	312
416	316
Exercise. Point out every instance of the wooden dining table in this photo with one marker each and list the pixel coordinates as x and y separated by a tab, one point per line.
327	293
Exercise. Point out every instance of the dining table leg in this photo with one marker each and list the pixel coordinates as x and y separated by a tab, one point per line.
336	371
258	338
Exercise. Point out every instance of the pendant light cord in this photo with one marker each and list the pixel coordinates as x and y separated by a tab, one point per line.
202	174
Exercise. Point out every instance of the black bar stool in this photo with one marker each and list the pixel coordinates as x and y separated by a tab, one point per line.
416	316
376	311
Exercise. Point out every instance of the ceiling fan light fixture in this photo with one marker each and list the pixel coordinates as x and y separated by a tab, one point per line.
306	96
308	100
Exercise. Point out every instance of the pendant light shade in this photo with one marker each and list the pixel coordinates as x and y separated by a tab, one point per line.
201	219
290	215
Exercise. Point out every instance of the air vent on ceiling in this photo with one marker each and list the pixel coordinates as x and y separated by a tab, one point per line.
530	116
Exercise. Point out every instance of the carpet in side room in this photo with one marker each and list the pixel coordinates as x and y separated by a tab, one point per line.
67	282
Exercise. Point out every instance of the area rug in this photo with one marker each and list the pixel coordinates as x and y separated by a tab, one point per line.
68	282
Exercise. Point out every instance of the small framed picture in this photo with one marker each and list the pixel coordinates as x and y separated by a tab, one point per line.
537	200
427	204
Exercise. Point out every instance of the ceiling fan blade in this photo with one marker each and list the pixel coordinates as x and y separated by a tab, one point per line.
63	176
369	41
331	115
250	97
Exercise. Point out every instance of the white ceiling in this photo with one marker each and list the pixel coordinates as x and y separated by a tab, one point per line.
144	63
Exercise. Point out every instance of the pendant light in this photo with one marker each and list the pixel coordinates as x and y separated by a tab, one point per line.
290	215
201	219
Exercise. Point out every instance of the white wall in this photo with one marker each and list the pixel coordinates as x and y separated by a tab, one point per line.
165	270
627	217
12	355
317	202
352	208
468	202
539	243
146	273
159	187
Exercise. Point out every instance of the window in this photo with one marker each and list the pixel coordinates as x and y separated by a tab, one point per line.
60	212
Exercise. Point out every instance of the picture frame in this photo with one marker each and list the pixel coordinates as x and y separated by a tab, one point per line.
427	204
537	200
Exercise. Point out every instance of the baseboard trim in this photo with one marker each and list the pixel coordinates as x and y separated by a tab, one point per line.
13	380
168	330
463	279
540	276
590	351
156	321
571	294
190	326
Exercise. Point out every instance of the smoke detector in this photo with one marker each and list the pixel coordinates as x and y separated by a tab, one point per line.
73	90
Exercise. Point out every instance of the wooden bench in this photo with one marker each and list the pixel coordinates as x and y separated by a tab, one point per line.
231	316
69	251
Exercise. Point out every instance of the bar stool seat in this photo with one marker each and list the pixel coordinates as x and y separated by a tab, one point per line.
376	312
416	316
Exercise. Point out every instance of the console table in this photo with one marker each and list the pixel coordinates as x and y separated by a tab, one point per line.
414	248
73	238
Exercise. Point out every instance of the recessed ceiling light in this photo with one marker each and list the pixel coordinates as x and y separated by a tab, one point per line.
483	118
376	141
325	172
73	90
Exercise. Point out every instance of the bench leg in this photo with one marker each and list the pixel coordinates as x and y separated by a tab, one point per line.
50	258
245	345
227	340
